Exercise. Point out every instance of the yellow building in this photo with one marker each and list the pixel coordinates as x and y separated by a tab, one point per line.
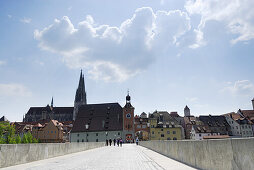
164	131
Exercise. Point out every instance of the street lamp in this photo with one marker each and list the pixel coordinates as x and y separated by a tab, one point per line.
87	127
106	135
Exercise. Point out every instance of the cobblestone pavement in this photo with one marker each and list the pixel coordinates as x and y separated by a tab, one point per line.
129	157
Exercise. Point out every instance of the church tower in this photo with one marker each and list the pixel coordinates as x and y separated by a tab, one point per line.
186	111
80	98
128	120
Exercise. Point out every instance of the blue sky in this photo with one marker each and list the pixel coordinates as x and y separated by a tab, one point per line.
167	53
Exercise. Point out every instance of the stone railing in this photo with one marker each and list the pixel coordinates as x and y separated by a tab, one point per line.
14	154
208	154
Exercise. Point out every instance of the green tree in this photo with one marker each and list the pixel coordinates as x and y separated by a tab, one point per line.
18	139
10	136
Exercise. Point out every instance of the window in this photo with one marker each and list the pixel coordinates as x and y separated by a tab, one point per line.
87	134
174	138
174	132
82	140
168	132
199	135
51	131
143	126
168	139
162	135
96	140
55	131
161	129
78	135
236	127
139	126
118	133
96	134
77	140
152	132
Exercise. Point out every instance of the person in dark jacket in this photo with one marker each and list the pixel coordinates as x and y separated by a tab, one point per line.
110	142
106	142
114	142
121	142
118	142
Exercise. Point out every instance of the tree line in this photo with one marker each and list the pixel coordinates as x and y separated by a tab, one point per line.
8	136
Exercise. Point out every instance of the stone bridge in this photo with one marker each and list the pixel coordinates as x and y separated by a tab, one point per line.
129	156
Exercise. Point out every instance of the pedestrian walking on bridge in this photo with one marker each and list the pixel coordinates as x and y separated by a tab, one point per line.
121	142
118	142
110	142
137	141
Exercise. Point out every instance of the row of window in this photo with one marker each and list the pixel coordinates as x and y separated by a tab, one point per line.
168	132
97	134
139	126
174	138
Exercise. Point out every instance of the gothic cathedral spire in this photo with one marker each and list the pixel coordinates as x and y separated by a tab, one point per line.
80	97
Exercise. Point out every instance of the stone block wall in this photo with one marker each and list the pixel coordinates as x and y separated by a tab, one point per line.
14	154
208	154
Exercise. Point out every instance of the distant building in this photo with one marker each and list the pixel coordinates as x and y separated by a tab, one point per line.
180	121
51	132
199	131
239	126
186	111
46	131
98	122
248	114
22	128
217	124
141	126
80	97
35	114
164	127
189	122
4	119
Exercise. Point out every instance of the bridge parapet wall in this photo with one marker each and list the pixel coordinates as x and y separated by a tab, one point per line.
208	154
14	154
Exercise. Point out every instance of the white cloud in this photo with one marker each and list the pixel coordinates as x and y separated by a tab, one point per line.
115	53
17	90
2	63
9	16
240	88
237	15
26	20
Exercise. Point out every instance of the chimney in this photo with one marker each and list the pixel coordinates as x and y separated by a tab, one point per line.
253	103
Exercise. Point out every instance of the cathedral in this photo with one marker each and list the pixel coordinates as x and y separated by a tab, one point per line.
92	122
61	114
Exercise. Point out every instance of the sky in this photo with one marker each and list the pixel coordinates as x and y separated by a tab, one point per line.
167	53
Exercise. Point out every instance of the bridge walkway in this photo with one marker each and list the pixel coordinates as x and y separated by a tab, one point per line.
127	157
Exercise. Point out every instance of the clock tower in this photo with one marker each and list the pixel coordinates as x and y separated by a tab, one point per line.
128	120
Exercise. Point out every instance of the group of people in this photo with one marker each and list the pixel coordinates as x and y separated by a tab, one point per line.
118	141
115	141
